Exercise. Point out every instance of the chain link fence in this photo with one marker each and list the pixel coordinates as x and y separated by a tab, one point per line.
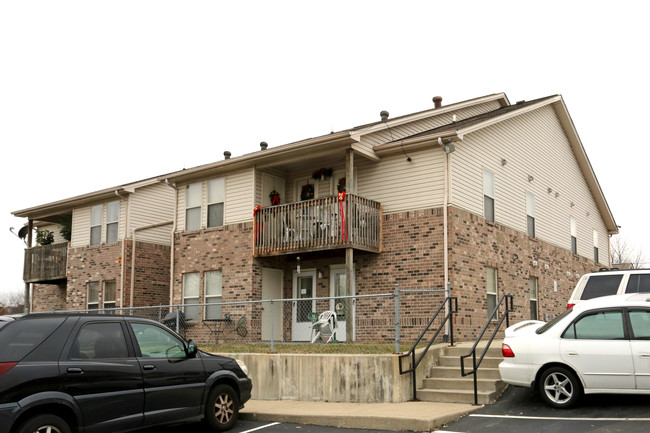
379	318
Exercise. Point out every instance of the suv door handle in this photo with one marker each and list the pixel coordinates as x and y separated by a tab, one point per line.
148	367
75	370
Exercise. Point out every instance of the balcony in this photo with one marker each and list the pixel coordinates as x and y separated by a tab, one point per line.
320	224
45	263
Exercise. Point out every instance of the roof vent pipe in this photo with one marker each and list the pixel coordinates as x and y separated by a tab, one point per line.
384	115
226	155
437	101
264	145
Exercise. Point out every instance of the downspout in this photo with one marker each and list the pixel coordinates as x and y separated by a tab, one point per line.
447	148
30	227
123	252
171	242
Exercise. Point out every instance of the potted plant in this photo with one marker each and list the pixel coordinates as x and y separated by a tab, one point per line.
44	237
307	192
274	196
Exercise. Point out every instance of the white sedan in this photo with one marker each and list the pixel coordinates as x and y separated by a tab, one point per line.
598	346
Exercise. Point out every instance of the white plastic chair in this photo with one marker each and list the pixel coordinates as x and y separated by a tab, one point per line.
325	327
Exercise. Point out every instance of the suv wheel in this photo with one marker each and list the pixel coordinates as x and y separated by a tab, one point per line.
44	423
222	408
559	387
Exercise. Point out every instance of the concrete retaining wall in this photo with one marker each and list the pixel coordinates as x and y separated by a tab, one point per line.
333	378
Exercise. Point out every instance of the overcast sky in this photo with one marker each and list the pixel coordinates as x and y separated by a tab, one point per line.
98	94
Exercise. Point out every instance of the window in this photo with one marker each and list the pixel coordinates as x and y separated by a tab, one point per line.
574	236
216	198
530	214
488	195
638	283
602	325
491	285
156	342
532	288
191	295
100	341
640	321
96	224
193	206
112	218
601	285
213	294
109	294
93	295
596	246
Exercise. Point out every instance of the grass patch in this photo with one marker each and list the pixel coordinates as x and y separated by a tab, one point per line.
336	348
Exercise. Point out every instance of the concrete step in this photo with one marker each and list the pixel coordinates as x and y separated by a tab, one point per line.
454	361
458	396
454	372
464	348
465	383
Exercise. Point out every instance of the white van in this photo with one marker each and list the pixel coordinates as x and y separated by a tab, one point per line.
610	282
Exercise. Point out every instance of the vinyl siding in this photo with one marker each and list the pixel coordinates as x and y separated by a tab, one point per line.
400	185
151	205
532	144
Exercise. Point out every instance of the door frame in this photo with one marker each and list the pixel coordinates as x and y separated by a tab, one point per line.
301	331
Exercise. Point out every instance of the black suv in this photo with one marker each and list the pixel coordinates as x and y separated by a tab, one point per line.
63	373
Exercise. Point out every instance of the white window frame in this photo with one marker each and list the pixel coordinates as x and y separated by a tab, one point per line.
574	235
596	255
488	195
109	301
92	288
533	292
216	197
96	223
193	205
492	292
530	214
213	294
112	221
191	294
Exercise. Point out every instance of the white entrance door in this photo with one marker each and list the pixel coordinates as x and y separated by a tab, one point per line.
271	312
344	307
304	287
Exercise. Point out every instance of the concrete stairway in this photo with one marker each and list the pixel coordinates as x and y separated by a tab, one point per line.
444	383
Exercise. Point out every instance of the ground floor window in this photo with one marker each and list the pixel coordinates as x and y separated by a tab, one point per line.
492	294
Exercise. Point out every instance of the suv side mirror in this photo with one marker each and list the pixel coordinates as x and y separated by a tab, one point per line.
192	348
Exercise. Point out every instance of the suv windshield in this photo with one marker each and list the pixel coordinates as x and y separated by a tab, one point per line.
550	324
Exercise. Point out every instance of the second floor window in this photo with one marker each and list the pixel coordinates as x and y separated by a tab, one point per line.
93	295
96	216
488	195
191	295
574	236
213	294
216	199
112	218
530	214
193	206
596	246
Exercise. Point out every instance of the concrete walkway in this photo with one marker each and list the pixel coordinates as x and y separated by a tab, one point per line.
414	416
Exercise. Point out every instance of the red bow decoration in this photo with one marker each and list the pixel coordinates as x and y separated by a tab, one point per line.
344	234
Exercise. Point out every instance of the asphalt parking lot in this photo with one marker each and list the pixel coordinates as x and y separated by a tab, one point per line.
522	410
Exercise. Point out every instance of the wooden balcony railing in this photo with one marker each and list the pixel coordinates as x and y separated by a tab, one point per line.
45	263
345	221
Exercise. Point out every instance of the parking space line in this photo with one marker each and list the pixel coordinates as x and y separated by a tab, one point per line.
558	418
261	427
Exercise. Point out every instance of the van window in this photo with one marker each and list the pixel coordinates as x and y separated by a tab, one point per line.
638	283
601	285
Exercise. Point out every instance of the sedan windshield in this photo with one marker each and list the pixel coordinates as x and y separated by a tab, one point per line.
550	324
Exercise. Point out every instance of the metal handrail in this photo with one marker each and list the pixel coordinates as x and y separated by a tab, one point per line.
475	365
453	308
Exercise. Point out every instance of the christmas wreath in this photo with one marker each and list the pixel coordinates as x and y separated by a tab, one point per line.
322	173
340	187
307	192
274	196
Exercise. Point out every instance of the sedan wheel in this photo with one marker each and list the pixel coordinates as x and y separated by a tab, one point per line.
222	408
44	423
559	387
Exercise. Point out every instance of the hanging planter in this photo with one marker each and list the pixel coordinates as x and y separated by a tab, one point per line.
307	192
322	174
274	196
